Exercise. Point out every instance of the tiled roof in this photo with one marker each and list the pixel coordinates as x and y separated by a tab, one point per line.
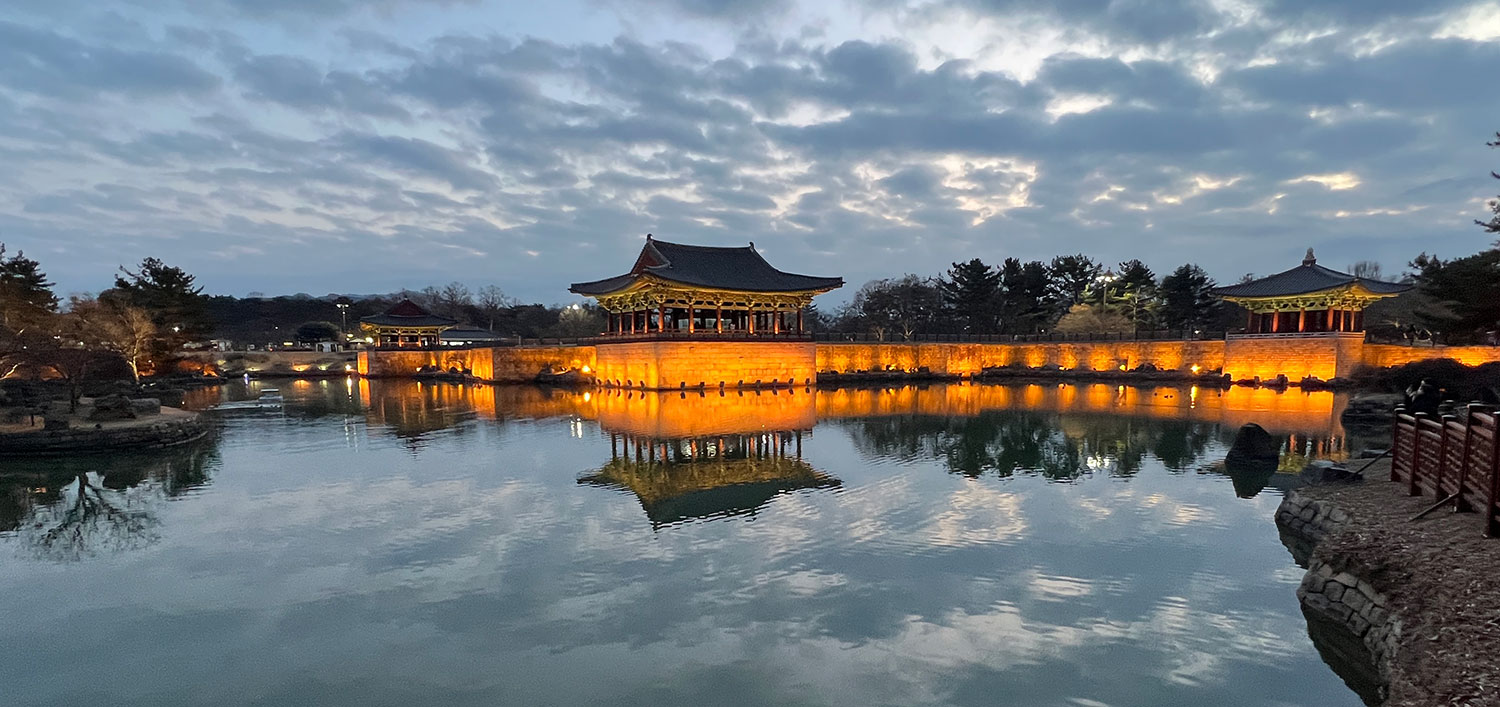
705	266
1304	279
407	313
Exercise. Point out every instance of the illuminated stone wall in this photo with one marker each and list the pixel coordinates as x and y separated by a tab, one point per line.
669	415
1387	355
669	365
965	359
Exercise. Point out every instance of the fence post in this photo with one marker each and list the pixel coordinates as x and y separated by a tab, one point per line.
1413	488
1396	443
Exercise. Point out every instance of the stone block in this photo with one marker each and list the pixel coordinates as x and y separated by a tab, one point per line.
1334	591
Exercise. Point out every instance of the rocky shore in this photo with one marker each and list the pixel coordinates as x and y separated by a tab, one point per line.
147	426
1419	601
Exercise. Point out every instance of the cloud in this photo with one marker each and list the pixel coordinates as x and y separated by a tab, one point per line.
852	144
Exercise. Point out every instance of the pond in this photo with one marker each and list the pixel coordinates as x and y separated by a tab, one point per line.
397	543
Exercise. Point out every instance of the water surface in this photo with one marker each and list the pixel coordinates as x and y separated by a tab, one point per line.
390	543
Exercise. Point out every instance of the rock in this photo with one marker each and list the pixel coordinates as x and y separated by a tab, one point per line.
146	406
1322	471
112	407
1254	443
53	423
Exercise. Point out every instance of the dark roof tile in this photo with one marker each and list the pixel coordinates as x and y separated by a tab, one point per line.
705	266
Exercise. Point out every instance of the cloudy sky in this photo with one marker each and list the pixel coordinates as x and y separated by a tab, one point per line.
368	145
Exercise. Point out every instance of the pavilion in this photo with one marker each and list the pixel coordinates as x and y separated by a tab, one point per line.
1309	299
406	325
690	291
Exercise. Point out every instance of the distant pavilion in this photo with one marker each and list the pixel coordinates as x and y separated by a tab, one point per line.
689	291
406	325
1308	299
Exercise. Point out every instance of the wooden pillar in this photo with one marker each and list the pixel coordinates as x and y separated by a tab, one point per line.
1275	321
1302	319
719	318
776	320
750	318
661	317
1250	324
799	329
691	326
1329	327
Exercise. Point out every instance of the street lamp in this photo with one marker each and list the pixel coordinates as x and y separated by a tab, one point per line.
343	316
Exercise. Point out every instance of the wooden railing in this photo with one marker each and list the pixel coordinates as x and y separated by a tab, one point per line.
1453	457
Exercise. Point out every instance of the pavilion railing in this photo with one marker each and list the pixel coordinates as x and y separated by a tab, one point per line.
1455	456
701	335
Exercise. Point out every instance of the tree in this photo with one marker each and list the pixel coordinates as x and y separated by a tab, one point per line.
1492	225
1137	293
454	300
1071	276
971	292
1366	269
313	332
113	326
1090	319
493	304
1465	292
26	297
1024	288
1187	299
579	320
906	305
176	305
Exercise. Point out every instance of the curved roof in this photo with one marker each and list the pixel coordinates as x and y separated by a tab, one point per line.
1307	278
740	269
407	313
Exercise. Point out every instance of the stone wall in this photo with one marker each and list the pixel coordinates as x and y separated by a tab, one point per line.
1332	590
1388	355
165	432
669	365
963	359
1324	357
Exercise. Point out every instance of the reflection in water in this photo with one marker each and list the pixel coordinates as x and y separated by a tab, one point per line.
707	477
79	507
384	542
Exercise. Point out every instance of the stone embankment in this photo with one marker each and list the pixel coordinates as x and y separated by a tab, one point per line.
168	428
1418	600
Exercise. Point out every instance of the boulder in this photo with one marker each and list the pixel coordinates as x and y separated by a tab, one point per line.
112	407
146	406
1254	443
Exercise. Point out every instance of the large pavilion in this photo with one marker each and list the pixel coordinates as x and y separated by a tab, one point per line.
1308	299
678	291
406	325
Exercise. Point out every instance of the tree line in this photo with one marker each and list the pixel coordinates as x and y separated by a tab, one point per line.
1071	294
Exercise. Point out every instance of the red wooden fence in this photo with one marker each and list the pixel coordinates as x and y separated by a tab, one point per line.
1458	456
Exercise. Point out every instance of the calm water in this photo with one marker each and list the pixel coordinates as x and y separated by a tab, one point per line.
405	544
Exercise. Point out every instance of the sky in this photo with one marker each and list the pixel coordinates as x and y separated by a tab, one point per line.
365	146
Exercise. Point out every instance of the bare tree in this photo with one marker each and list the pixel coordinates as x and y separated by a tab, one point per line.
493	303
89	518
1366	269
115	326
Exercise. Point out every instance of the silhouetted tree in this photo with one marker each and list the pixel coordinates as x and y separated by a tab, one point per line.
971	292
1187	299
313	332
1492	225
26	297
906	305
1071	276
1465	294
170	296
1024	288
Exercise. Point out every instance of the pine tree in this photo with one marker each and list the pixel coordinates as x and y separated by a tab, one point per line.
1493	225
971	293
1024	297
1137	293
1071	276
1187	299
169	295
26	297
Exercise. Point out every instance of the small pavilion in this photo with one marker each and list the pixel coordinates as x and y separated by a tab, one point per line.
1308	299
690	291
405	325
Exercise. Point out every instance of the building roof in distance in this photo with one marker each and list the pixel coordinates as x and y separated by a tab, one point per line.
740	269
407	313
1307	278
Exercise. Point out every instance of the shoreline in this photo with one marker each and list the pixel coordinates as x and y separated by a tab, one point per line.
1420	598
169	428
